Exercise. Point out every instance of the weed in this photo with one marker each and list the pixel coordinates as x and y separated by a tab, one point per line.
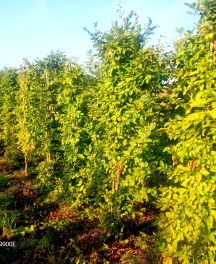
4	181
8	225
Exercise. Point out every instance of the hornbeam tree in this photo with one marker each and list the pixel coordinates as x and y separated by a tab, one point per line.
187	221
46	85
126	113
73	119
25	115
8	90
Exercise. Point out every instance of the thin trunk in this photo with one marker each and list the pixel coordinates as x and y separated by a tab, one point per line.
48	157
48	154
213	50
26	165
167	260
115	183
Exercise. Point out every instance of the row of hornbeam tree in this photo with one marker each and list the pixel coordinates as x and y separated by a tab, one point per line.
135	126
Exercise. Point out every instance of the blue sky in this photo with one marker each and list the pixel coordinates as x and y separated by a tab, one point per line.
34	28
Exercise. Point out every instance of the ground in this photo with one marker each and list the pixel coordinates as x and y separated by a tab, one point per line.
55	233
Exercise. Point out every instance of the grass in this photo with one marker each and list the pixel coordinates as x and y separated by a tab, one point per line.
8	224
6	202
4	181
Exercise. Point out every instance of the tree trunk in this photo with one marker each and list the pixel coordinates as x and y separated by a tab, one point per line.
26	165
48	157
115	183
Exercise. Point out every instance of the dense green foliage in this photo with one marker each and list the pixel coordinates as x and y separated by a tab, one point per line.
8	89
188	202
126	113
137	131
